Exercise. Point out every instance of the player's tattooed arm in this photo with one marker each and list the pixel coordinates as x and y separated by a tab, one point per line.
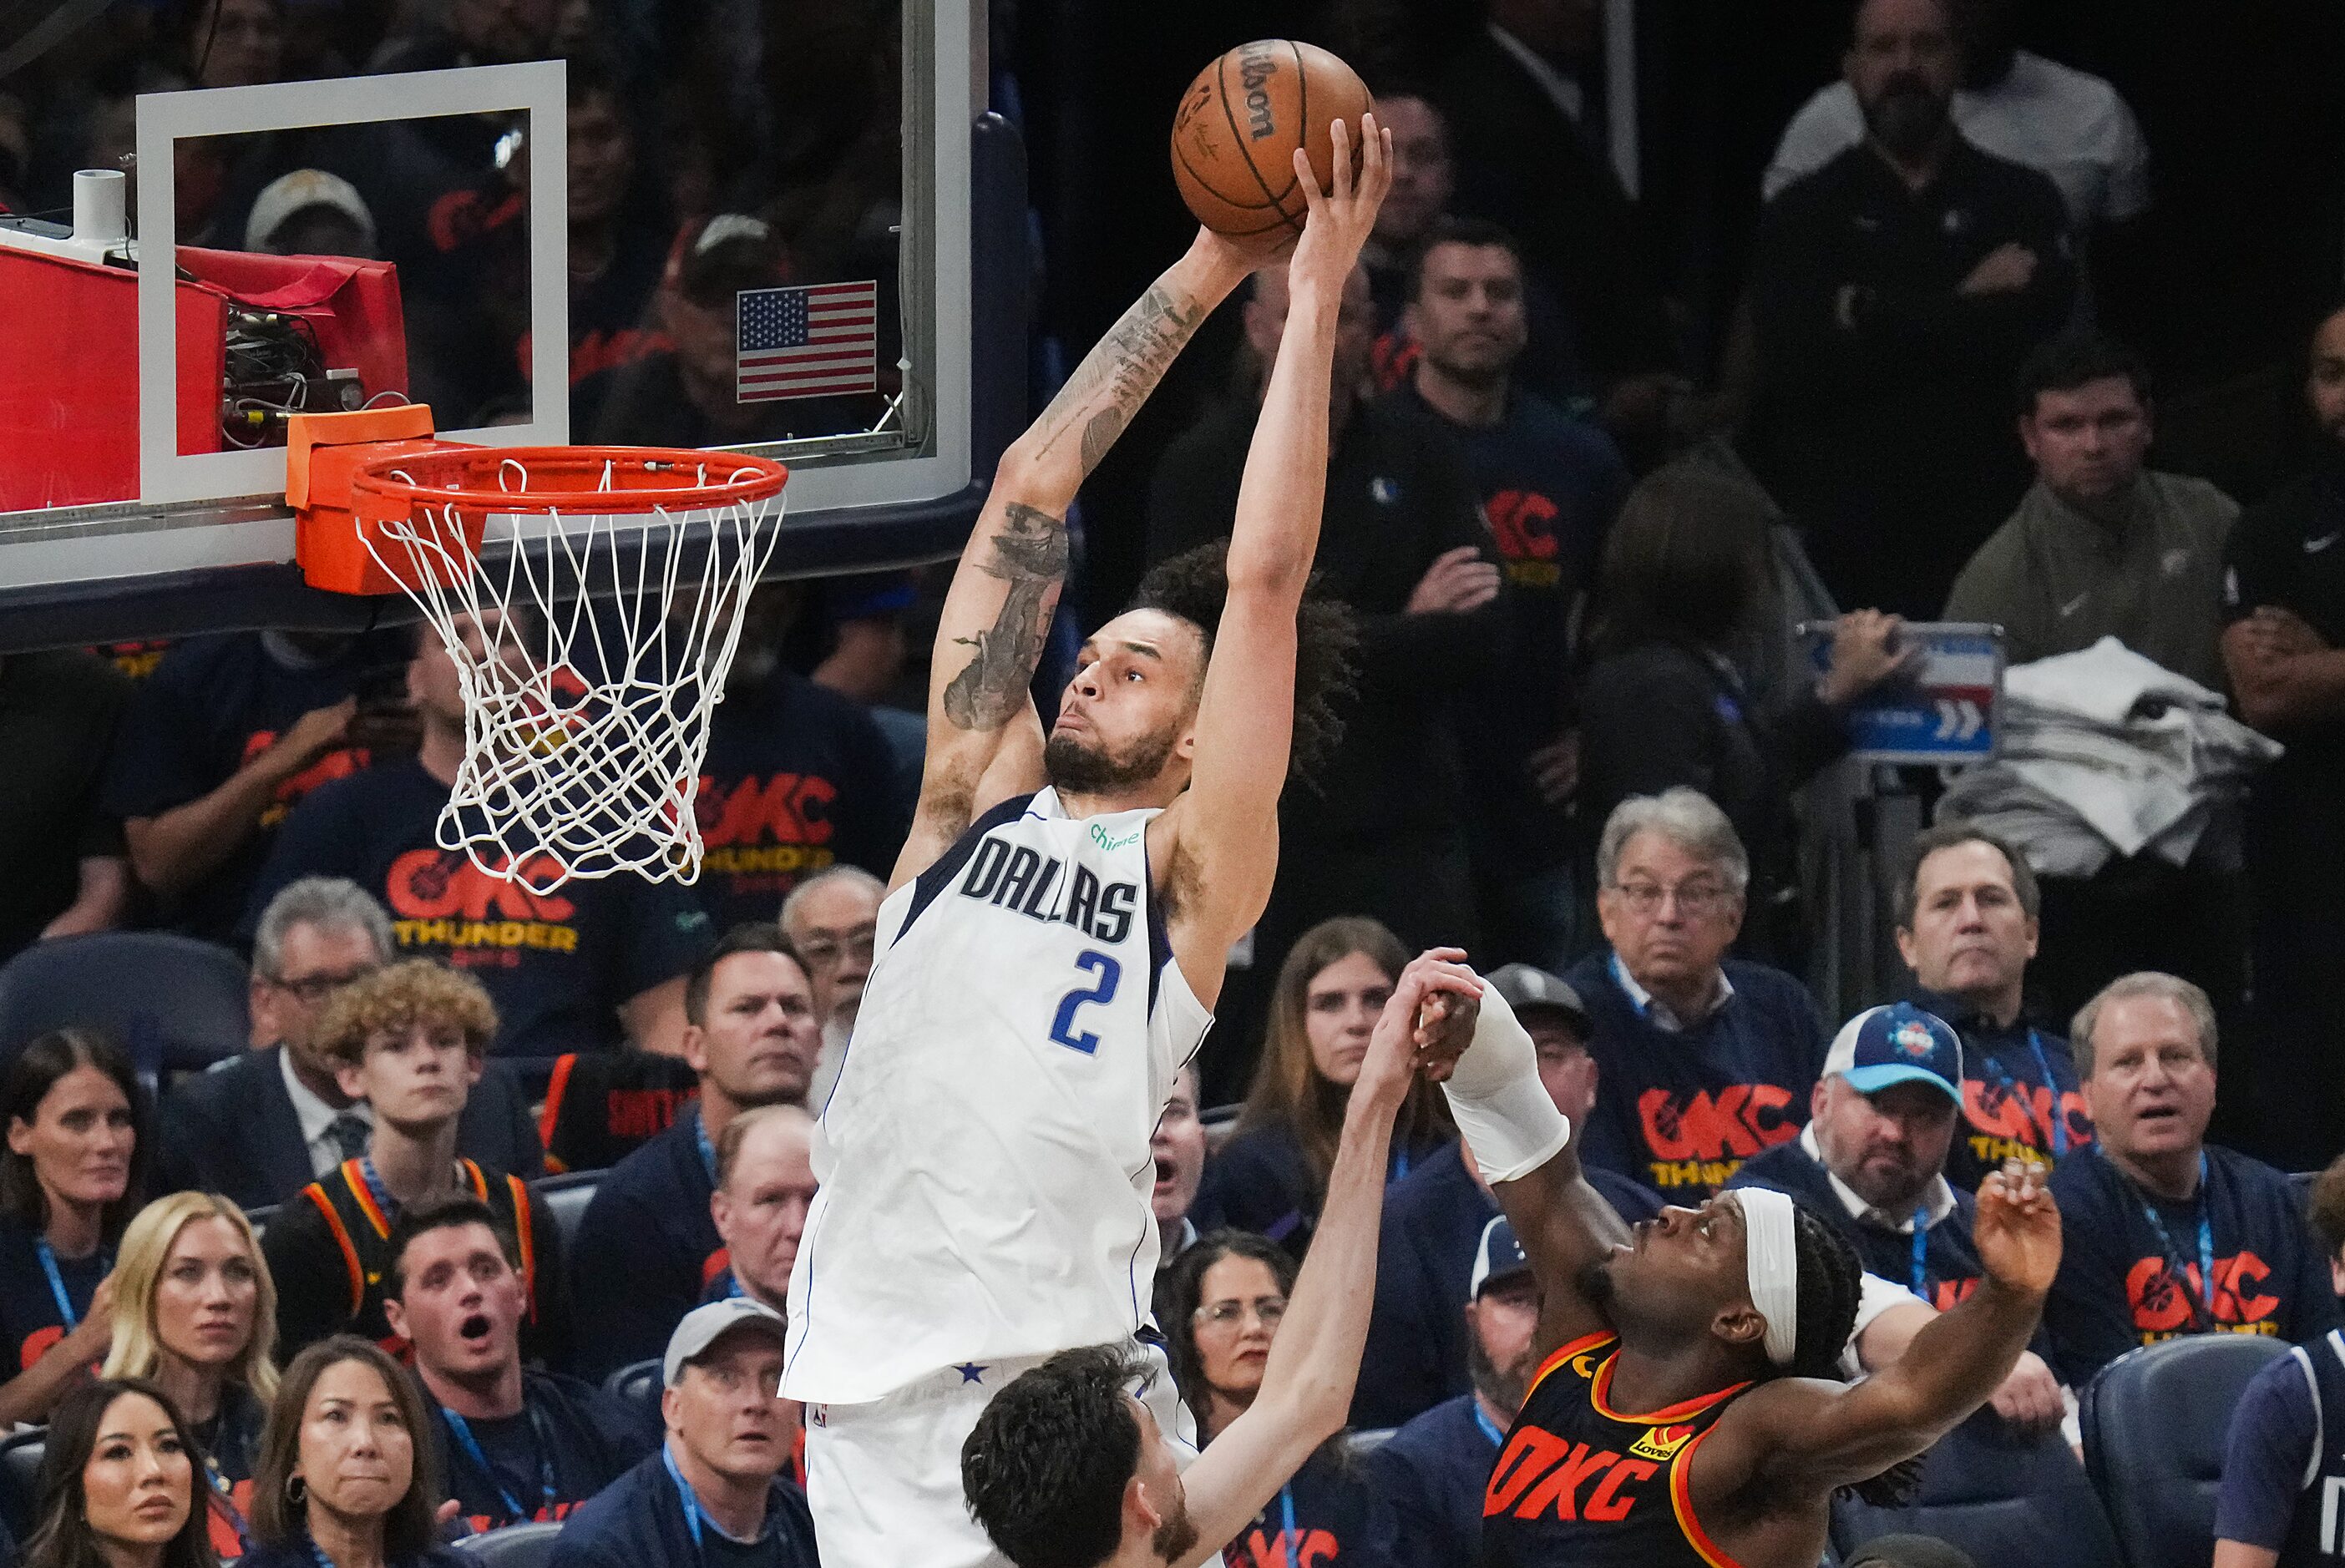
1029	555
1119	373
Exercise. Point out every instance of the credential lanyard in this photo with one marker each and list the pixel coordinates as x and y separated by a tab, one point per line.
691	1503
1921	1246
2206	1245
48	1257
707	1149
462	1430
1489	1428
2052	1088
1287	1519
224	1499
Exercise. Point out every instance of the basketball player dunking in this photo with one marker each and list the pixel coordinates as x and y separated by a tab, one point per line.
1686	1412
1055	939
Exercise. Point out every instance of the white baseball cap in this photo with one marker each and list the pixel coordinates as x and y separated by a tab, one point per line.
704	1326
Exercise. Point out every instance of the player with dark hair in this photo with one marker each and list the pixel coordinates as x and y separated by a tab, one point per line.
1060	919
1070	1466
1683	1411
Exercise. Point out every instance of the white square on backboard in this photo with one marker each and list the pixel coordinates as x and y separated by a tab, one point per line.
537	88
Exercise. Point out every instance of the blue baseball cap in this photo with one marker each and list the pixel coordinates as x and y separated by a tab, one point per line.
1498	1257
1898	1044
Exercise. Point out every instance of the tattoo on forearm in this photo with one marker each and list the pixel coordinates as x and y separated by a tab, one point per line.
1116	377
1029	554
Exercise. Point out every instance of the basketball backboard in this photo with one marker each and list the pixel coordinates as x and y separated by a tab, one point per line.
782	225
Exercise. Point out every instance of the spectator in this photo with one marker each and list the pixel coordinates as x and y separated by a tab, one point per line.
2168	1234
66	868
1221	1306
514	1445
1271	1176
1178	1144
73	1174
261	1126
408	1040
797	779
2068	125
619	224
729	1434
751	1036
339	1484
1705	1060
2284	597
1872	1160
1548	486
118	1486
1419	1351
1383	832
1526	158
196	1315
1967	926
1433	1472
1664	705
1893	293
577	969
2279	1459
603	1106
832	919
311	212
222	741
2102	545
765	1184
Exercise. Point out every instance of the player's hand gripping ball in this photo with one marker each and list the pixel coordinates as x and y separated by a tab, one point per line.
1235	136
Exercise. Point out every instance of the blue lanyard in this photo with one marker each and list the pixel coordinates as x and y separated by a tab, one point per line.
2059	1112
318	1555
1921	1246
1293	1544
376	1190
224	1498
2206	1245
461	1429
1400	1164
708	1149
1489	1428
691	1503
48	1257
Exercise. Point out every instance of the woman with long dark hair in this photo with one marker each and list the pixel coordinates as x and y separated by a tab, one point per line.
344	1479
1221	1304
118	1484
70	1179
1272	1175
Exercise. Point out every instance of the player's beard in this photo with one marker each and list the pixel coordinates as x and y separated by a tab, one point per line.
1177	1536
1505	1387
1082	769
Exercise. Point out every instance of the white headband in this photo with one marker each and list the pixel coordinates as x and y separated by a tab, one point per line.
1771	1255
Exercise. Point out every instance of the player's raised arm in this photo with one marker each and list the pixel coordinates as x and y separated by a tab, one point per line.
999	608
1225	827
1527	1152
1315	1362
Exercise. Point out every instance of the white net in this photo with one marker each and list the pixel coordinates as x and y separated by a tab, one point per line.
590	650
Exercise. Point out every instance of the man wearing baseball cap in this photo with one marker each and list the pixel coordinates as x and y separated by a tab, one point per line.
1436	1217
713	1496
1872	1158
1434	1470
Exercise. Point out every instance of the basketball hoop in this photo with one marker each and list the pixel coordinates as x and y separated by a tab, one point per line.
591	599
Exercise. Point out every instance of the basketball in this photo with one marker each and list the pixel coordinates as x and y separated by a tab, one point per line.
1234	137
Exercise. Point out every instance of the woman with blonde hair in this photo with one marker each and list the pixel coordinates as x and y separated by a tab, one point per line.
1271	1176
195	1313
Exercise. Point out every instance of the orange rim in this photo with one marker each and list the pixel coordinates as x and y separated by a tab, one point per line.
566	480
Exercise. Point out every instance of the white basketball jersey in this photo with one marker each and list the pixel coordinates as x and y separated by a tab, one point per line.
983	1157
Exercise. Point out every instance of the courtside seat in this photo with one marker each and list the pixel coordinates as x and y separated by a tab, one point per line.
567	1196
638	1383
2156	1424
514	1546
173	1003
1999	1496
20	1481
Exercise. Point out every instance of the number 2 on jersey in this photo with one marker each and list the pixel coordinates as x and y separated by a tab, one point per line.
1103	991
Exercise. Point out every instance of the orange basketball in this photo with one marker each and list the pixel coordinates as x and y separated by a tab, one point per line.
1234	137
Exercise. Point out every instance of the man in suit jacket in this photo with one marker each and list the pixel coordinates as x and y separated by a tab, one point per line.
258	1128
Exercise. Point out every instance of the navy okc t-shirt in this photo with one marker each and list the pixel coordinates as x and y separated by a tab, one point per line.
557	965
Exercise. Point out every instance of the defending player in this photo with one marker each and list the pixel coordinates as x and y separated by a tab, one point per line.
1681	1414
1054	941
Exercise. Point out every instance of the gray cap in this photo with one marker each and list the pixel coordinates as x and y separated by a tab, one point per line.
1524	986
704	1326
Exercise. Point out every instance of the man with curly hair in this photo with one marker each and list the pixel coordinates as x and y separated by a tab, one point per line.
410	1040
1057	924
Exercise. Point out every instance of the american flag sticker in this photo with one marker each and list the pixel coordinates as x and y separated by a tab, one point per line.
817	341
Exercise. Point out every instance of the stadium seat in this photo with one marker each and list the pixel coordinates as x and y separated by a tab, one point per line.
637	1383
567	1196
2001	1497
2156	1421
514	1546
173	1003
20	1481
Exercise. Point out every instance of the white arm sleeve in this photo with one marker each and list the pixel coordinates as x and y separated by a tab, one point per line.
1509	1123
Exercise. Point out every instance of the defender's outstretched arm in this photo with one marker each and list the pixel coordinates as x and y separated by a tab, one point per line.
984	741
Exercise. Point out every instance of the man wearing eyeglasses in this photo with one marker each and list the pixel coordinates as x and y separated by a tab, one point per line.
832	919
260	1126
1703	1061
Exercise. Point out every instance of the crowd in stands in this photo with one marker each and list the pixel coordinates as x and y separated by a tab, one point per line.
494	1223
